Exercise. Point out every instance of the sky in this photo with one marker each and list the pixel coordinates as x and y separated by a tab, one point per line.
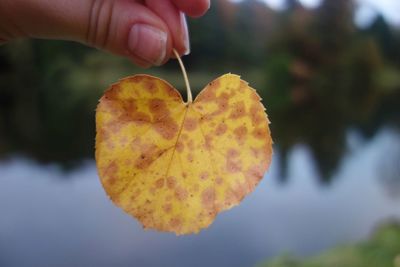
366	10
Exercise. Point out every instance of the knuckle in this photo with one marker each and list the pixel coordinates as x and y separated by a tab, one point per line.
99	23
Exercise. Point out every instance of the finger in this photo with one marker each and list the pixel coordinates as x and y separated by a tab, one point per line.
122	27
175	21
140	62
129	29
193	8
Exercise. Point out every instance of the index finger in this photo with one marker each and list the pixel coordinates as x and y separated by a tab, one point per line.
193	8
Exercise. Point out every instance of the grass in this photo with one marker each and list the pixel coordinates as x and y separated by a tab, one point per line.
382	249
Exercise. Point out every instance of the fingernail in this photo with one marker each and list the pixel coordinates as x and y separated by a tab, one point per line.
186	42
148	43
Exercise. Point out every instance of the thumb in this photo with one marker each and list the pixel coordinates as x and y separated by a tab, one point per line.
122	27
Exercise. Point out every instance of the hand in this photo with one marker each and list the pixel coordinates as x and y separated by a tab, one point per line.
145	31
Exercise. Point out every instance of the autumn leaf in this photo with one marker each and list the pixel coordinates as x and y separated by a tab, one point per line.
173	165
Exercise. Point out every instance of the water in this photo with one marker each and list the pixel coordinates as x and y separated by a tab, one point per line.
52	218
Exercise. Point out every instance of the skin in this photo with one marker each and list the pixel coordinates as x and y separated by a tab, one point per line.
106	24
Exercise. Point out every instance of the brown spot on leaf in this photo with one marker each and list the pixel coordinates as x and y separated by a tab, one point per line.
171	92
167	128
204	175
123	141
127	162
260	133
159	183
110	169
240	190
254	96
176	223
135	195
208	197
240	134
243	86
112	179
199	107
150	152
254	174
137	144
233	166
167	208
102	135
221	129
140	117
239	110
222	104
208	141
113	127
209	93
180	193
130	106
232	153
113	94
137	78
171	182
206	118
152	190
108	106
158	108
180	146
230	198
190	124
256	115
110	144
150	86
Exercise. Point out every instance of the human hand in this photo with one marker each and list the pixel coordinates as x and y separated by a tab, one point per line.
145	31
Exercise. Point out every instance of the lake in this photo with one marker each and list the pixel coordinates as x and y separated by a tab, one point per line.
53	217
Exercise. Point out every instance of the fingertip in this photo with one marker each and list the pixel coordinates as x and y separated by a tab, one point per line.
175	21
146	64
193	8
201	9
185	37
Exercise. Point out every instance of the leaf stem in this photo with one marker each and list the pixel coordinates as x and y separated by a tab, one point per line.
189	92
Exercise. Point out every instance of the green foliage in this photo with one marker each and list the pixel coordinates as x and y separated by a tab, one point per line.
49	90
323	75
381	250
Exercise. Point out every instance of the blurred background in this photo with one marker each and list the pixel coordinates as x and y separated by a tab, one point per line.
329	75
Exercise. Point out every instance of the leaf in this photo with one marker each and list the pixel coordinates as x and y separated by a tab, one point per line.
175	166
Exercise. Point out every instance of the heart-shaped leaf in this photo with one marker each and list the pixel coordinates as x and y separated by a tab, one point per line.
174	165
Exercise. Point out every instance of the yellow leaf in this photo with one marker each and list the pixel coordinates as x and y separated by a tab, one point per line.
175	166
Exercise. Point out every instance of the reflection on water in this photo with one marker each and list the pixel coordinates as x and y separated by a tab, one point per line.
389	169
70	222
